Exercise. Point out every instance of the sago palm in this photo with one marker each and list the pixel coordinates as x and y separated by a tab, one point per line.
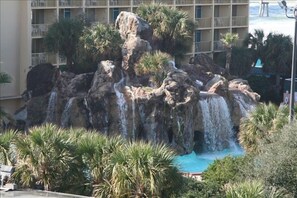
7	148
44	157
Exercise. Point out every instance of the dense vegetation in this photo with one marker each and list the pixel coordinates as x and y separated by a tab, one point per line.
85	162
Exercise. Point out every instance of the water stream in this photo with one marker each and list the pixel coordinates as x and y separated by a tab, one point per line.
123	107
51	108
65	118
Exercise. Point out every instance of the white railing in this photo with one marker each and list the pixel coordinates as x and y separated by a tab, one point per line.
95	3
240	1
221	21
221	1
38	58
70	3
239	21
203	46
182	2
39	30
119	2
43	3
203	22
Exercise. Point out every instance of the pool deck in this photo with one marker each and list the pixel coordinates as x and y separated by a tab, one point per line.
37	194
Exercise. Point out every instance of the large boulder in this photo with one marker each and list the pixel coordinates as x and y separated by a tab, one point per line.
132	50
41	79
244	87
129	24
205	61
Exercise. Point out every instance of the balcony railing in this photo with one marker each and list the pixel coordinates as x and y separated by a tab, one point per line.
62	60
119	2
167	2
221	21
43	3
38	58
218	46
183	2
70	3
39	30
203	22
203	46
95	3
221	1
138	2
239	21
203	2
240	1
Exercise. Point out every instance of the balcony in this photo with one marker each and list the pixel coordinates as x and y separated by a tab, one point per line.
239	21
221	21
166	2
203	22
62	60
43	3
218	46
138	2
203	46
38	58
119	2
70	3
95	3
240	1
203	2
183	2
39	30
221	1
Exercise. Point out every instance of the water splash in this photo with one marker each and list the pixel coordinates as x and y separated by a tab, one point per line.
122	105
218	127
51	108
66	113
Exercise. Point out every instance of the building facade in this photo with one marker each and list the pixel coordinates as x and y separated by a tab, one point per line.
24	23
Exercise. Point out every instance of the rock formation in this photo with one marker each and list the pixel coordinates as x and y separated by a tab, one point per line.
113	100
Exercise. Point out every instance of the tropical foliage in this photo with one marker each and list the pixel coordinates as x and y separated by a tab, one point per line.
248	189
153	64
63	37
102	42
228	40
278	161
4	78
261	122
172	29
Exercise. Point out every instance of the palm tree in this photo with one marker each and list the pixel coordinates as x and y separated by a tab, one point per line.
255	42
103	42
228	40
153	64
172	29
63	37
277	55
139	170
6	148
46	156
258	126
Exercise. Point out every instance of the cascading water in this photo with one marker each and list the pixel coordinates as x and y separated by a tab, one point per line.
243	106
218	132
66	113
122	105
51	108
133	114
89	110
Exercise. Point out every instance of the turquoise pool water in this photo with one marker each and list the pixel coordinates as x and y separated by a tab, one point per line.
193	162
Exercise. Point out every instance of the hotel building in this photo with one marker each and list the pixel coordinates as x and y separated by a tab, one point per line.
24	23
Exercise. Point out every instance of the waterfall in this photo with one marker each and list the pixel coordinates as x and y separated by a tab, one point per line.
51	108
133	113
89	110
218	132
243	106
122	105
66	113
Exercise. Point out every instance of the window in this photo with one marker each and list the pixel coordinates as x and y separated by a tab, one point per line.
234	10
198	12
197	36
67	13
216	11
115	13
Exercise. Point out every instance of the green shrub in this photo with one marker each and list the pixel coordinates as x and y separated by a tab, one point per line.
153	64
222	171
246	189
